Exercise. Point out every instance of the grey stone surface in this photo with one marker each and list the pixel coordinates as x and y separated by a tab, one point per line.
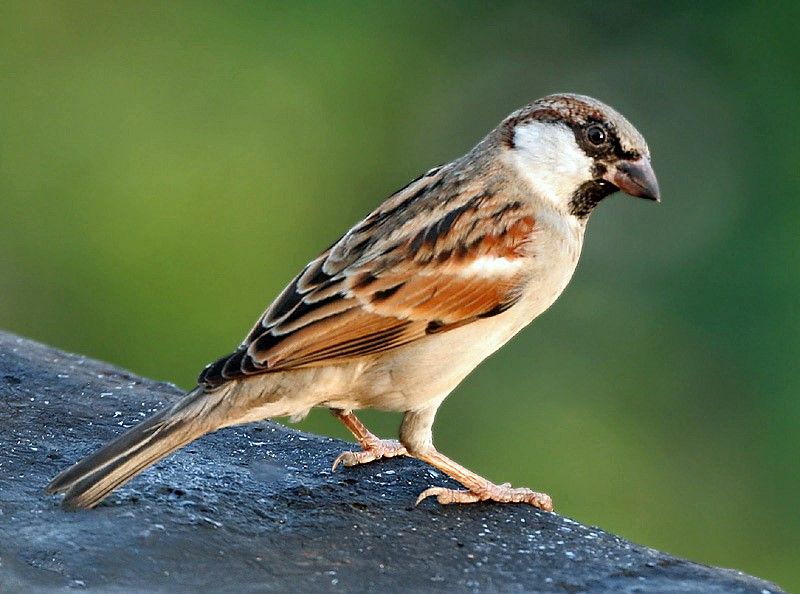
257	509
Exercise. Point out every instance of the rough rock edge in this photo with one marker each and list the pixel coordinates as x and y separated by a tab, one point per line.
257	509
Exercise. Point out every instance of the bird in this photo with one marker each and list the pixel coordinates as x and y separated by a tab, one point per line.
404	305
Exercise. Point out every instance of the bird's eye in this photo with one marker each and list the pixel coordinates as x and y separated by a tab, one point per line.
596	135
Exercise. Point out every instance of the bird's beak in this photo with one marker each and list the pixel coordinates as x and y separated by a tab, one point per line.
635	178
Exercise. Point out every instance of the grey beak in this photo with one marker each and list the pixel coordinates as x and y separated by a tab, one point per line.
636	178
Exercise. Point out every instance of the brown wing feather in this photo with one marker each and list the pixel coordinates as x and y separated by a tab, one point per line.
391	281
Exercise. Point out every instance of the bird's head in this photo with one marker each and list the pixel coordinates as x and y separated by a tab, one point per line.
575	151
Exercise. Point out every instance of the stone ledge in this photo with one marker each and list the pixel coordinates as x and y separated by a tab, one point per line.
257	509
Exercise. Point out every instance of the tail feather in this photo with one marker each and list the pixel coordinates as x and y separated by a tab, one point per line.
90	480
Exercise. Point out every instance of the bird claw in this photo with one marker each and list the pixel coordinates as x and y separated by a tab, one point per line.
381	449
446	496
500	493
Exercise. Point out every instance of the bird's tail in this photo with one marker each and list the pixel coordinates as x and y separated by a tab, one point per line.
86	483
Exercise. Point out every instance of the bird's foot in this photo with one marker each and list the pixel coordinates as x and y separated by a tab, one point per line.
504	493
380	448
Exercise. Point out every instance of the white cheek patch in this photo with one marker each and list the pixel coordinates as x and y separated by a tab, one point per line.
491	266
549	158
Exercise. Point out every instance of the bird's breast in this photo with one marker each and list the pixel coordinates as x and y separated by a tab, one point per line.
553	250
418	374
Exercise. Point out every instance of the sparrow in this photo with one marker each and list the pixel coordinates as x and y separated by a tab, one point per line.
410	300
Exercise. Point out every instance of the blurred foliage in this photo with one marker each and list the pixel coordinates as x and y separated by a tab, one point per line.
165	168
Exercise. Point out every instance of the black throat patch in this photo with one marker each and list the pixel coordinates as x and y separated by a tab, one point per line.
589	195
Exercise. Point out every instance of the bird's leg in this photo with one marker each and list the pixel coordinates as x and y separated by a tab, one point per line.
478	488
372	447
415	434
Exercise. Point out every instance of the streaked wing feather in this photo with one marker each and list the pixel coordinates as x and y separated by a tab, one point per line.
392	280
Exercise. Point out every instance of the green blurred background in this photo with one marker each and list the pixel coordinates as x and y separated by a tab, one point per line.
166	168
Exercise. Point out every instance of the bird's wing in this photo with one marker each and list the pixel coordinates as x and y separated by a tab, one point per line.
435	256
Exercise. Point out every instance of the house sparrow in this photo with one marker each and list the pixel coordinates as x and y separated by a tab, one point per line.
411	299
